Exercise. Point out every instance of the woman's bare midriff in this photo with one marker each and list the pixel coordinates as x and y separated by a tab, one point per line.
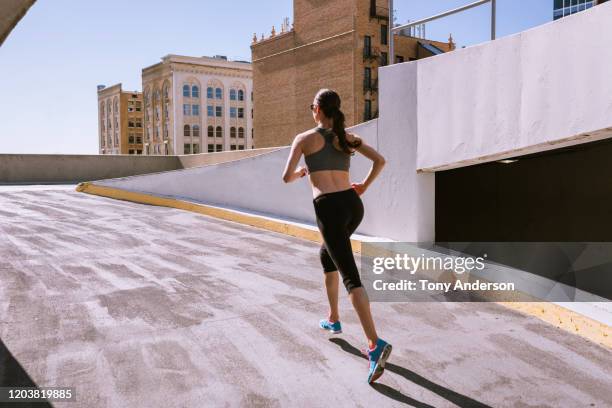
329	181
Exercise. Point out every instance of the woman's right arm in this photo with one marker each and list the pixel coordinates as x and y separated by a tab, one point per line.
290	173
378	162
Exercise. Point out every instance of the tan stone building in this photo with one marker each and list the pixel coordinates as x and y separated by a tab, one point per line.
197	104
335	44
120	121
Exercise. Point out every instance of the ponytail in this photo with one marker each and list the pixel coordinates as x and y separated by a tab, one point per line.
329	101
339	130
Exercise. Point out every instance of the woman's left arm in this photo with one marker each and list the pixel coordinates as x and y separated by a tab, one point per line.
291	174
378	162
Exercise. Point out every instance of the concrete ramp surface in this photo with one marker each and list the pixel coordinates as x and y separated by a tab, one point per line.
145	306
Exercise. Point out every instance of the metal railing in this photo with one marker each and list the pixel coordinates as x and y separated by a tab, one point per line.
379	12
371	53
370	85
393	30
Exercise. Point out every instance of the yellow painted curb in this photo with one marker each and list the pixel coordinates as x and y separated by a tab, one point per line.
565	319
558	316
224	214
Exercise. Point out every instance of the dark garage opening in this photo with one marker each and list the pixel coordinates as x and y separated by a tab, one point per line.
563	195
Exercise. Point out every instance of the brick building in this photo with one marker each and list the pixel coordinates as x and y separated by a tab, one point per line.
335	44
120	121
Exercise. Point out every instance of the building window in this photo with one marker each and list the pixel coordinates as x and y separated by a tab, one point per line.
195	91
131	151
187	148
384	34
209	92
367	114
241	133
233	147
219	148
384	58
196	148
186	93
219	93
139	151
211	131
241	112
399	59
138	139
130	123
195	110
219	111
232	131
367	45
131	139
232	94
232	112
241	147
196	131
211	111
211	148
219	131
240	95
186	109
186	131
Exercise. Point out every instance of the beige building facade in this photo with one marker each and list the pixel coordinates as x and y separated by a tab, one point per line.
120	121
335	44
197	104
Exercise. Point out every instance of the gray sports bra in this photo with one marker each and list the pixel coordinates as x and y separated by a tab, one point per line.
328	158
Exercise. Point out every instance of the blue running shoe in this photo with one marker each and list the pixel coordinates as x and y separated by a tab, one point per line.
335	328
378	357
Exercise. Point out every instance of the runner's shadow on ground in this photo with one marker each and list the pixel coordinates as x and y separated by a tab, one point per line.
448	394
12	374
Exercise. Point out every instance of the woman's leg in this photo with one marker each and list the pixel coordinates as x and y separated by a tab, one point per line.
336	234
361	303
332	283
330	273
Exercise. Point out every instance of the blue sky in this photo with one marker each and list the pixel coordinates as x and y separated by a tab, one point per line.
60	51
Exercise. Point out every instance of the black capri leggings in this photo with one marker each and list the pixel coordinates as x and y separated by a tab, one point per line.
338	215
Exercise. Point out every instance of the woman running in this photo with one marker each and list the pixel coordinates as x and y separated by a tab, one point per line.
327	150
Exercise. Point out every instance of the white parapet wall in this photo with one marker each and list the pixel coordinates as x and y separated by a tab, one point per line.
255	185
544	88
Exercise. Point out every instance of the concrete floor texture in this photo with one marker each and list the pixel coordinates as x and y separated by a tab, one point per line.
144	306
